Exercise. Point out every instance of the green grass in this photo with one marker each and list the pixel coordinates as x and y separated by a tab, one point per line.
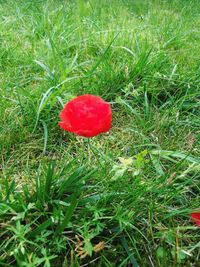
132	189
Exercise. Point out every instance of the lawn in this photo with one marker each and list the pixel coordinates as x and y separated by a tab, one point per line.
123	198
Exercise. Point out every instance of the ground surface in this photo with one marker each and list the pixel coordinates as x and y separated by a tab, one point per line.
124	199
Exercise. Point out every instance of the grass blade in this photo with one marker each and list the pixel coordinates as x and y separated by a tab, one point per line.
45	136
69	213
40	228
